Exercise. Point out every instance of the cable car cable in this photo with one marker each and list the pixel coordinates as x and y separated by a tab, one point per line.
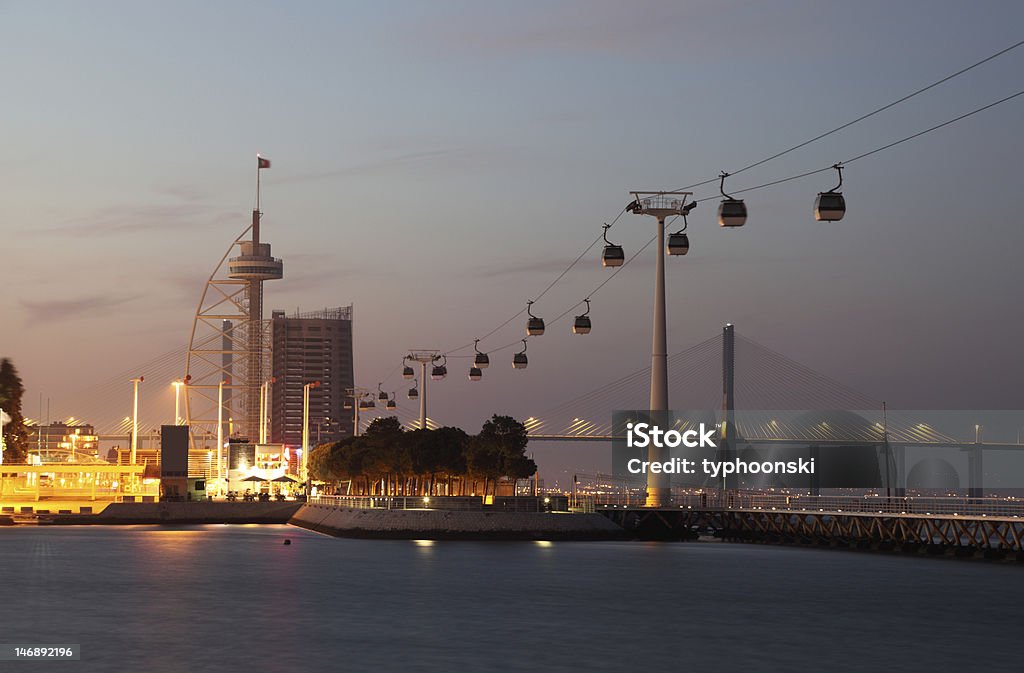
781	180
783	153
876	150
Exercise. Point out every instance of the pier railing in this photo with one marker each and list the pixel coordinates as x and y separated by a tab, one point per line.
903	505
491	503
398	502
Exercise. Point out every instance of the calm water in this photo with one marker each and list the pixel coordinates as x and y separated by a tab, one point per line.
215	598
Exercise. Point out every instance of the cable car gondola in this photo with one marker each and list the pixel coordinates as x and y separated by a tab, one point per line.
407	372
414	393
679	243
581	325
830	206
475	374
391	405
481	361
519	360
381	395
731	212
439	371
613	255
534	325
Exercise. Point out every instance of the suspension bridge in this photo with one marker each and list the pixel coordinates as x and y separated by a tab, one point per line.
761	401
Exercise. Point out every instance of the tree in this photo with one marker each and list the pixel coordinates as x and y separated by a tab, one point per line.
416	462
437	452
323	462
15	434
384	426
500	449
388	453
483	459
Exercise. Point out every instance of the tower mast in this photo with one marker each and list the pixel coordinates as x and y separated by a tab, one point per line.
255	265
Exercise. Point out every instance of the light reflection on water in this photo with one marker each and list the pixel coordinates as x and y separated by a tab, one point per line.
141	598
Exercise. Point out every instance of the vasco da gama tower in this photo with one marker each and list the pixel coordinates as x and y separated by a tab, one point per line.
228	357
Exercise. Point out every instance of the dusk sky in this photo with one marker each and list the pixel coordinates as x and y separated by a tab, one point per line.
437	164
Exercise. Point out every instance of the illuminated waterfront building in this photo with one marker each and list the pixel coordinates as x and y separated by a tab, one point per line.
72	438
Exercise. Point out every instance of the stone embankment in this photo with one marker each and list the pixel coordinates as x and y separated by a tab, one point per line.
412	524
205	511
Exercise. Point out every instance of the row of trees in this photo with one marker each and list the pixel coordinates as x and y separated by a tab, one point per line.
15	433
388	460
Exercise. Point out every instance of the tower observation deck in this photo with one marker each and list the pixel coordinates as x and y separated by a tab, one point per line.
254	266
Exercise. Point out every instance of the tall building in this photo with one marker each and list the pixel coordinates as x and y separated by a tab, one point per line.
311	347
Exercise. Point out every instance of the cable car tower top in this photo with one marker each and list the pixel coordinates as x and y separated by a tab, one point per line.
660	204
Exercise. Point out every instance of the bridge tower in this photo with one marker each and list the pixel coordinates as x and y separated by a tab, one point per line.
727	434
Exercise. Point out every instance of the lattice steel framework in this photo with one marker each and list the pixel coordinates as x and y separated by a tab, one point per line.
230	341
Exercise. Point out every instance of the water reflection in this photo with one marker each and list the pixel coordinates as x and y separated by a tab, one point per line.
237	598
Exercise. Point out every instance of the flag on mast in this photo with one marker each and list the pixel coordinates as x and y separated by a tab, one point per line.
261	162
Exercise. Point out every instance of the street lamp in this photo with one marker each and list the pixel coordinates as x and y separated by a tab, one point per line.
134	417
305	435
135	423
265	408
320	423
659	205
177	401
220	429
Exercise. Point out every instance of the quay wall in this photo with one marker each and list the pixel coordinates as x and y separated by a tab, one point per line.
205	511
413	524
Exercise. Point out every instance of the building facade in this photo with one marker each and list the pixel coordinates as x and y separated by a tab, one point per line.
310	347
75	439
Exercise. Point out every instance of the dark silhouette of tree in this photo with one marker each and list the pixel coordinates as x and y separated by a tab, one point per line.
500	450
437	454
15	433
387	460
385	426
318	460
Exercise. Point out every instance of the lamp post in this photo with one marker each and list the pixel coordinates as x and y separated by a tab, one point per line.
319	426
134	417
220	428
177	401
135	424
659	205
265	408
305	436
